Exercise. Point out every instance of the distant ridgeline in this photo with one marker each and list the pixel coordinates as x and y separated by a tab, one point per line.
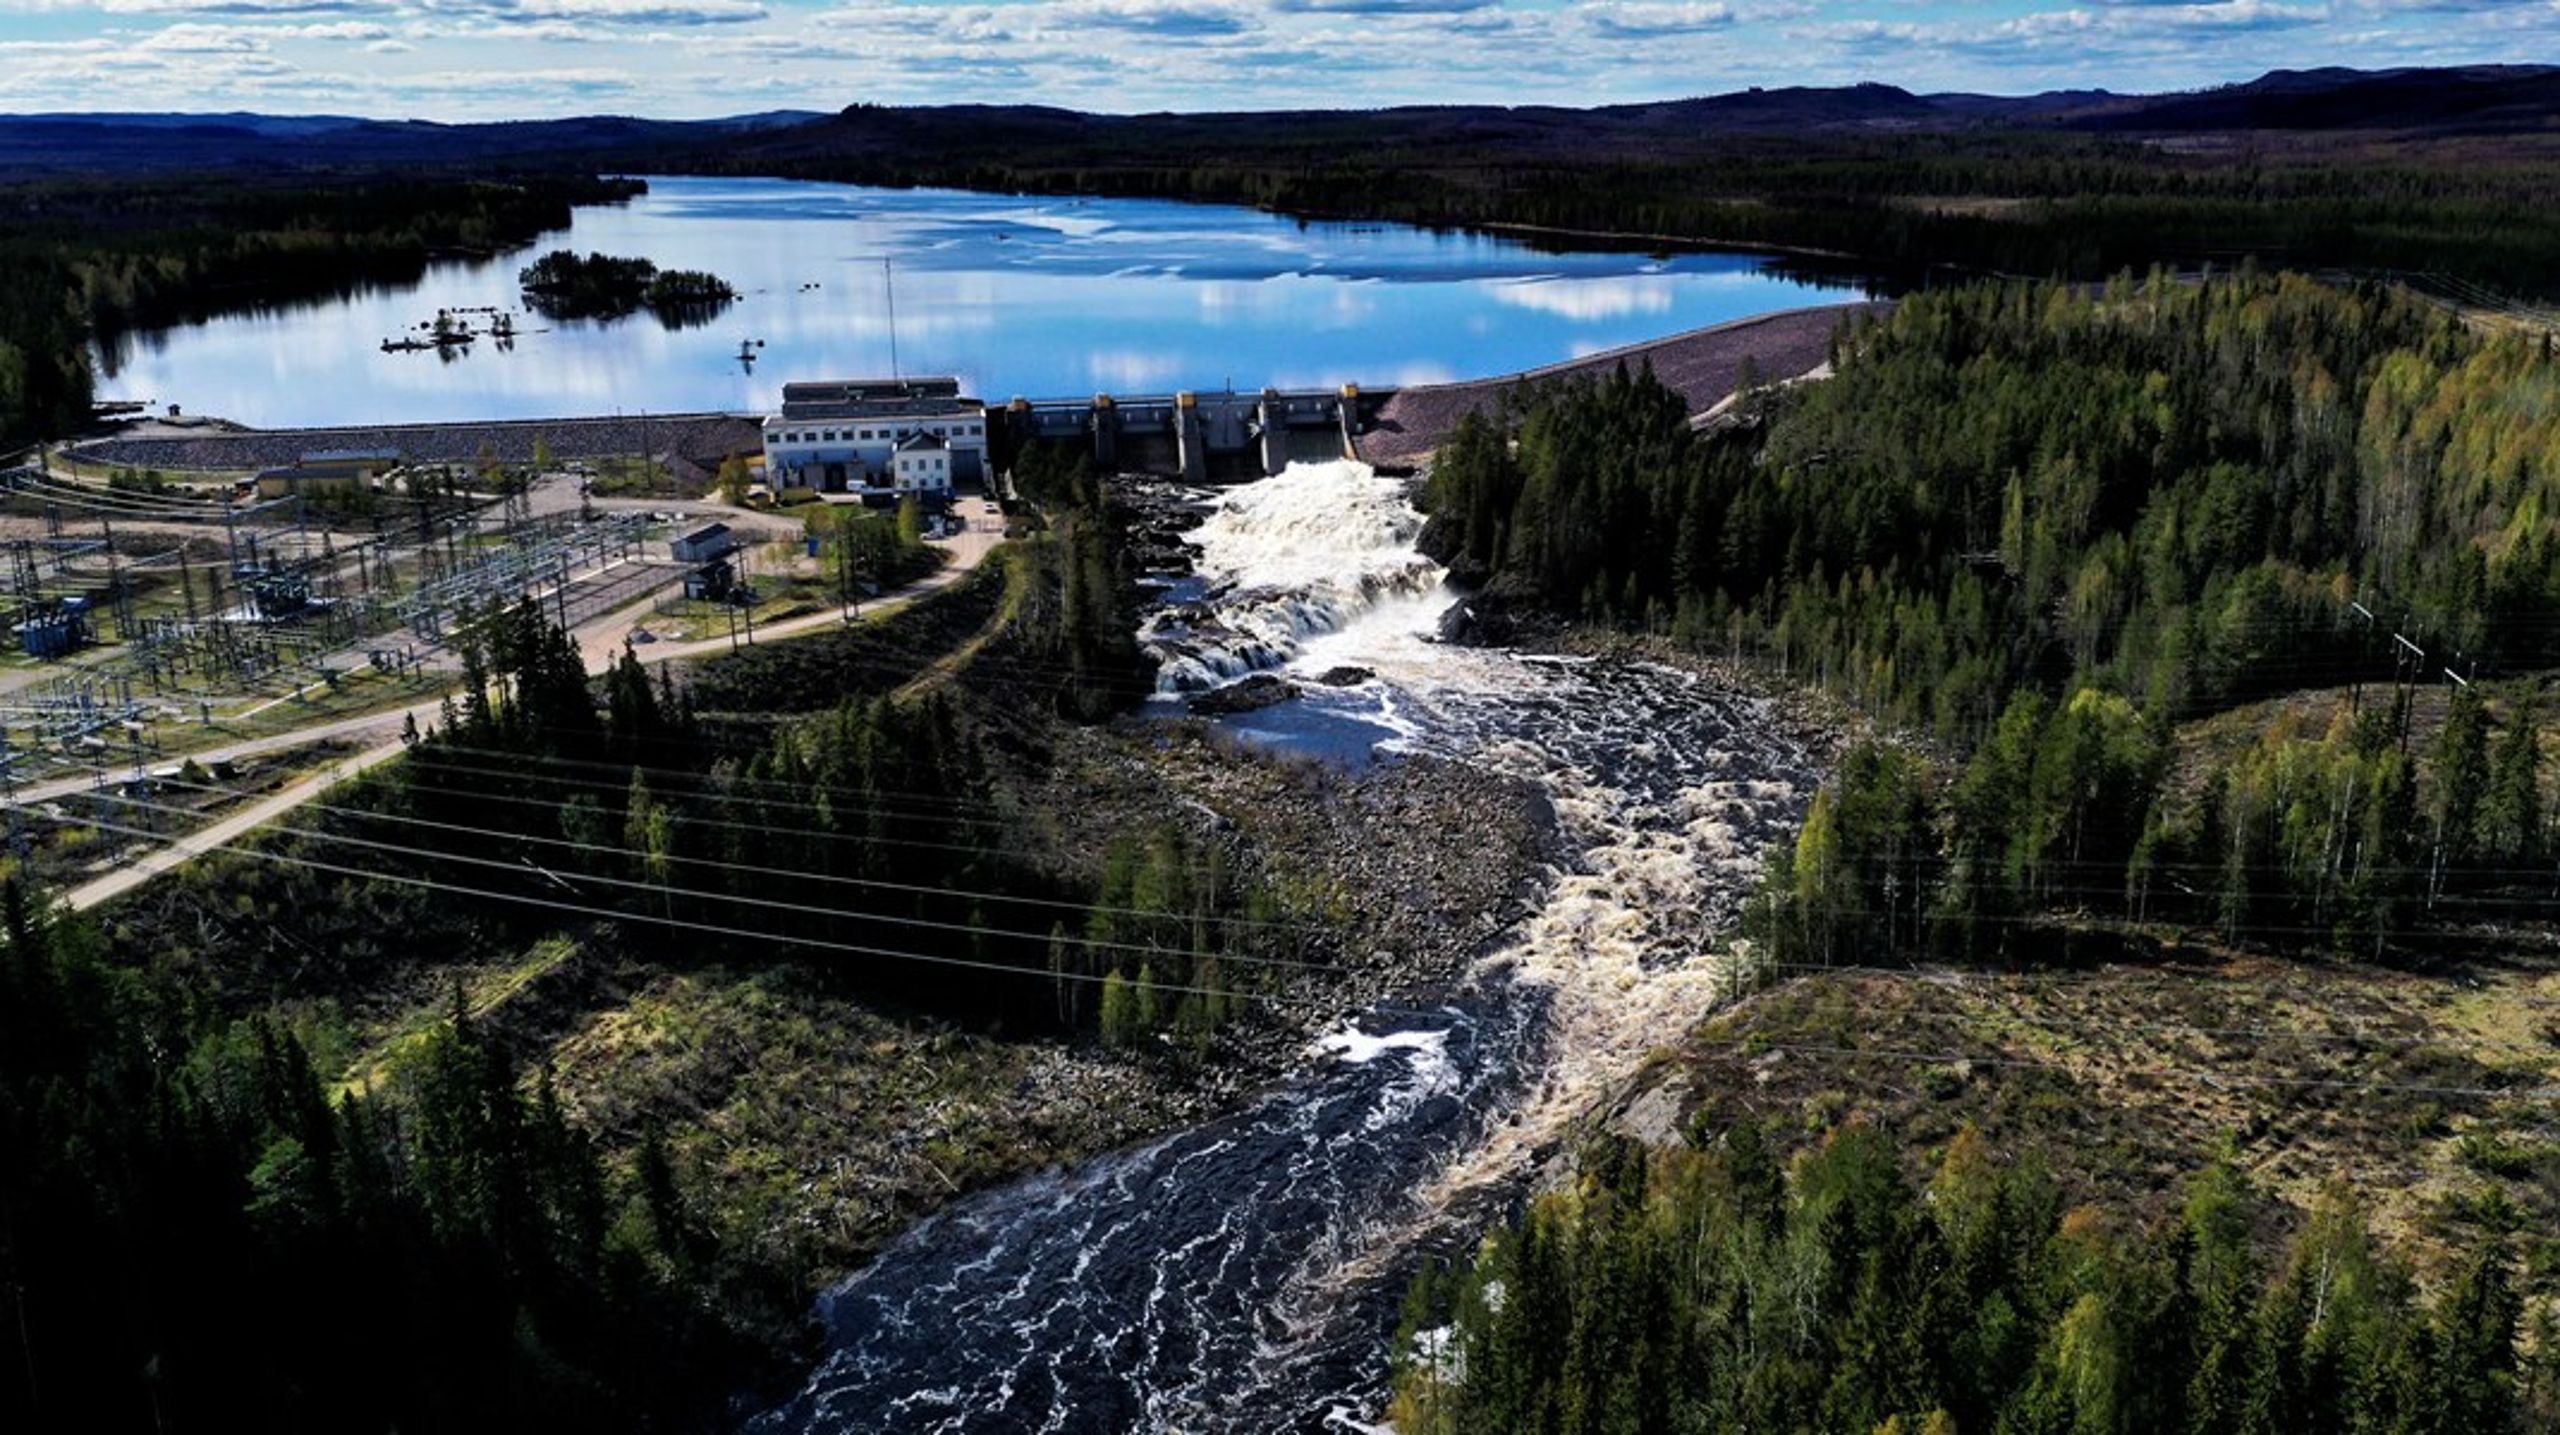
2443	171
565	285
2043	524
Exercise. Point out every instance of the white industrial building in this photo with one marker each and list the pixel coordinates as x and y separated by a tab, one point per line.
879	438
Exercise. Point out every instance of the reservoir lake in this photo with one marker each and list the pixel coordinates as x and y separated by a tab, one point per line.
1035	296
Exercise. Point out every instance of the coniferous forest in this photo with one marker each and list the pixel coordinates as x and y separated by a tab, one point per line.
2217	608
1732	1288
201	1233
2040	525
203	1227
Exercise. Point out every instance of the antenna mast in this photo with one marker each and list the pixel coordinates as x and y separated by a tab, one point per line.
889	277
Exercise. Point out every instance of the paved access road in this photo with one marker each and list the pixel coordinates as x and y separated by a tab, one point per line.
600	643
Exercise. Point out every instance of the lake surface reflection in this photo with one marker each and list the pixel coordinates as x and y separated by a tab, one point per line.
1034	296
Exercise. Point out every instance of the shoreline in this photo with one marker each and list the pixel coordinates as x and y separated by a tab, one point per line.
1701	364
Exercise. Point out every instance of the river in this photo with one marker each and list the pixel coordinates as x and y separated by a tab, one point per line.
1242	1275
1032	296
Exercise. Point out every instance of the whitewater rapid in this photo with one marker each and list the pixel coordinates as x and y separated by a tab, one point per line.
1283	562
1243	1274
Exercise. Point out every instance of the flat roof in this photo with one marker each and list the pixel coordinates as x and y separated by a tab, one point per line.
874	398
838	390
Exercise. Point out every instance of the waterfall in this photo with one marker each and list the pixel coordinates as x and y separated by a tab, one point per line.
1286	560
1241	1274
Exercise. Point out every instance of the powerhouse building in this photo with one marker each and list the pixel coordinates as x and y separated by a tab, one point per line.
880	438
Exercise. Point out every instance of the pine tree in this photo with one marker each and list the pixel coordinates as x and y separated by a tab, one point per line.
2511	807
1118	1011
2461	779
2473	1382
2221	1282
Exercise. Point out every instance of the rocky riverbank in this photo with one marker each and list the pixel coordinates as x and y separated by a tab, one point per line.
1395	878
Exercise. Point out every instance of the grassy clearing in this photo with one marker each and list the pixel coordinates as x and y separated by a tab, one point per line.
354	694
385	1047
2433	1094
824	1126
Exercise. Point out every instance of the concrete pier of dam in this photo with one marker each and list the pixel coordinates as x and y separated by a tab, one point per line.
1194	436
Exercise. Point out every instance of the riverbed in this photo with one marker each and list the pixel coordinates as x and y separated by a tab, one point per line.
1244	1274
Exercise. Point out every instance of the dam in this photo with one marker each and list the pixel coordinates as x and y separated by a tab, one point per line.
1198	437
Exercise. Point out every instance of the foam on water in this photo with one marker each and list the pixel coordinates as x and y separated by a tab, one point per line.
1243	1275
1288	560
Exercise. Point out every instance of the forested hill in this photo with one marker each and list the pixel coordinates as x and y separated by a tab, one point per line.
2045	524
2439	170
2453	175
2451	170
1735	1289
2065	545
2173	491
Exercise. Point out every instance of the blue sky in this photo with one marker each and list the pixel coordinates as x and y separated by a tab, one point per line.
476	59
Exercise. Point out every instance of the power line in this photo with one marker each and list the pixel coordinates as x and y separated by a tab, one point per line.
901	803
764	871
715	929
852	805
1750	967
1932	1058
672	893
794	873
1273	999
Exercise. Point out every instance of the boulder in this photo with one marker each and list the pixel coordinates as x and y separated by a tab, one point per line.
1483	620
1255	693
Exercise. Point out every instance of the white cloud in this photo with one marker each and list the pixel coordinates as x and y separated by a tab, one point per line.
692	57
1650	19
1586	301
637	12
241	7
192	39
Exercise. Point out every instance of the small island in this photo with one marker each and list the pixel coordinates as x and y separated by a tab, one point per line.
566	285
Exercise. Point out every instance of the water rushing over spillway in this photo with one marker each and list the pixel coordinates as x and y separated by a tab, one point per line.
1243	1274
1285	561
